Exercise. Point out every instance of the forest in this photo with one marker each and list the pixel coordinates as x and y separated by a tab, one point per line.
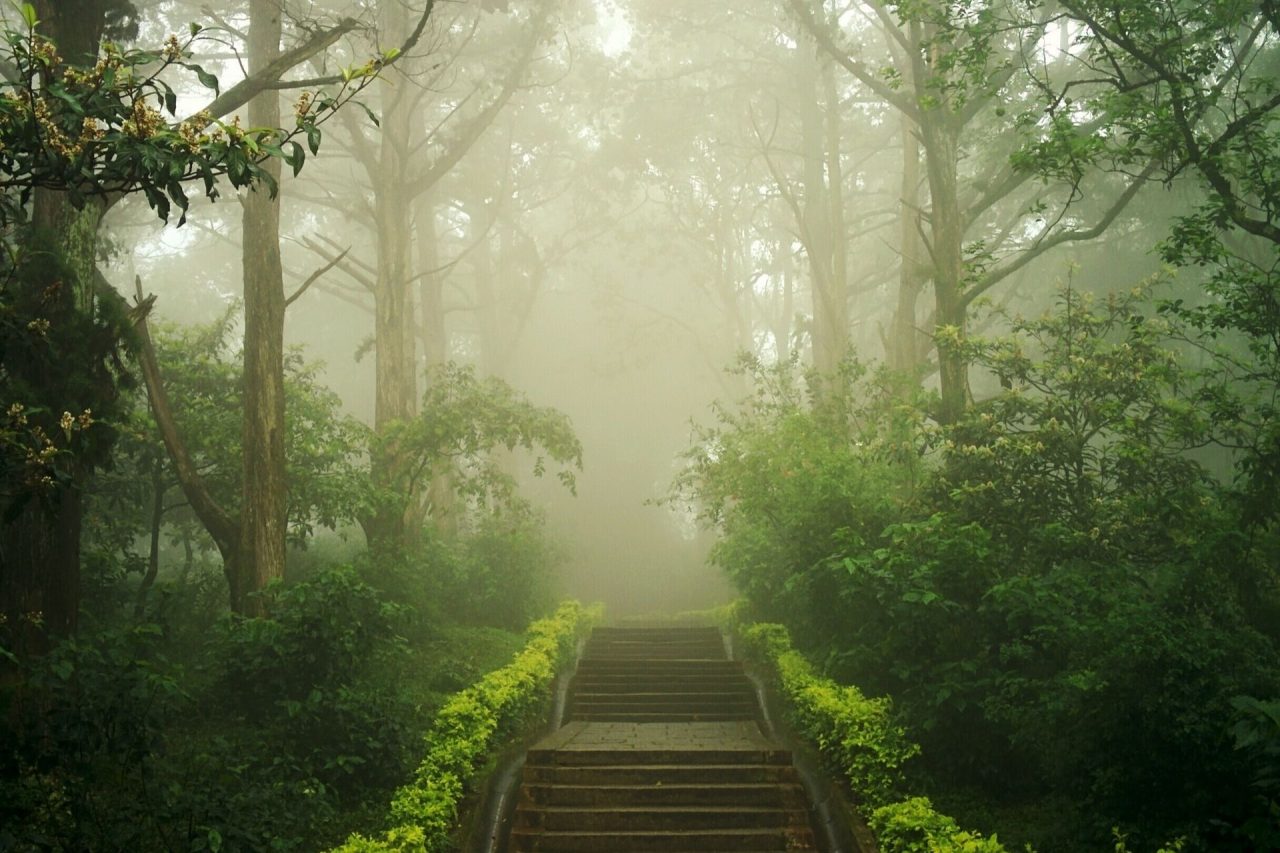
342	343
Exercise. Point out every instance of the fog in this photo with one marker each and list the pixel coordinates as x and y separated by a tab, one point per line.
352	350
604	204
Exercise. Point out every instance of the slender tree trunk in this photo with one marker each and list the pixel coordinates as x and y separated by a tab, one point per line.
940	137
488	312
823	224
158	489
904	348
395	361
435	337
263	500
947	230
441	503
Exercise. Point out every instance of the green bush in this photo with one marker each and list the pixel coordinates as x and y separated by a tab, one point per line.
469	727
859	742
1060	600
913	826
855	735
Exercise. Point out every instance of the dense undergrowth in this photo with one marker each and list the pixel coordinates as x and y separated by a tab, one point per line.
1073	618
190	728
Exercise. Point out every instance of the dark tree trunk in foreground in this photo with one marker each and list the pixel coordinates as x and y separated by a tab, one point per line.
40	540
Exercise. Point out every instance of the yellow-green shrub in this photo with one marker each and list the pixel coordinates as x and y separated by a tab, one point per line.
913	826
855	734
468	728
858	739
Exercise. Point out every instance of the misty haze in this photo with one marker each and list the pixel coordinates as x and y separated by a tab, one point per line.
640	425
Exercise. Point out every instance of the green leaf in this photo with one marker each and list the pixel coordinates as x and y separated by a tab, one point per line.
69	99
295	157
206	79
28	13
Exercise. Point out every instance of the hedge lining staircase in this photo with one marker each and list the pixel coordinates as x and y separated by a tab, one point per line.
661	751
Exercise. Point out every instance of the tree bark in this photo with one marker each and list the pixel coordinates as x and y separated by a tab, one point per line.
947	232
395	362
396	187
158	489
905	349
40	545
823	226
263	499
441	503
222	526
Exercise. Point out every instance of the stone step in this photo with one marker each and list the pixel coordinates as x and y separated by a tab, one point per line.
652	652
709	641
674	666
616	630
656	818
623	688
757	794
676	677
629	757
684	841
659	774
672	705
661	717
638	696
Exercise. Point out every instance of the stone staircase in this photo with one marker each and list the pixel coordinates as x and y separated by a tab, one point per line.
661	752
640	675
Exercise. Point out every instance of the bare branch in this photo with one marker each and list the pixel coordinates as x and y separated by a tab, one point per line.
311	279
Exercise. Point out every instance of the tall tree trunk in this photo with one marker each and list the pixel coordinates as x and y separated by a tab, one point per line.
903	349
263	500
947	231
158	489
823	225
395	362
40	544
435	337
488	316
441	500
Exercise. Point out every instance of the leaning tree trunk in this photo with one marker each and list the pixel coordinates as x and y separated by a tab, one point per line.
262	507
